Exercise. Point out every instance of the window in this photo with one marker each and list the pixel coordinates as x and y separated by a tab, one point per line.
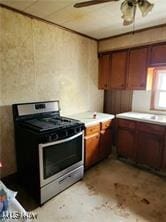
159	89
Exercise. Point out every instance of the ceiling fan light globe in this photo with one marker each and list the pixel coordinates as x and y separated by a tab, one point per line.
128	11
127	19
145	7
125	23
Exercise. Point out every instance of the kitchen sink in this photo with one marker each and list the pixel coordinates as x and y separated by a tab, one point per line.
155	117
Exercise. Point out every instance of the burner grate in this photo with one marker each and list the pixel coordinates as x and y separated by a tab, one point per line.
40	124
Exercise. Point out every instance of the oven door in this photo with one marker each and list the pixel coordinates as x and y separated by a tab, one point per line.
60	157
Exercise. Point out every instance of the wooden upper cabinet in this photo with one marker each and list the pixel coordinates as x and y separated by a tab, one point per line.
118	69
127	68
137	68
104	71
158	55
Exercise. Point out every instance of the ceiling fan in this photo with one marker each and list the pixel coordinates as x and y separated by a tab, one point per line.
128	8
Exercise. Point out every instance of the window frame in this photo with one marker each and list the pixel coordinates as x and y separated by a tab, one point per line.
155	92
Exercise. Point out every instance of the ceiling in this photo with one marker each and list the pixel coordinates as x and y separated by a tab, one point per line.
99	21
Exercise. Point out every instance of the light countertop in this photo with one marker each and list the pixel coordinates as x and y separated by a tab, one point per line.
144	117
87	117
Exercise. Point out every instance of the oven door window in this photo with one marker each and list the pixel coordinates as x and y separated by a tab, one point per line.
59	156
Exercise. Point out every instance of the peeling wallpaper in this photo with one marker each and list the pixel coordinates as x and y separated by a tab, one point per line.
38	62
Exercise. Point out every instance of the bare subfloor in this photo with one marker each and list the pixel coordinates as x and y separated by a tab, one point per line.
111	191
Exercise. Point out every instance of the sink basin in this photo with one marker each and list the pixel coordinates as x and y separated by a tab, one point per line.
150	116
155	117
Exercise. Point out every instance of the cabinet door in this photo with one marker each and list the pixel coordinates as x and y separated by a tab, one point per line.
105	143
104	71
137	68
91	149
118	69
158	55
164	154
149	149
125	143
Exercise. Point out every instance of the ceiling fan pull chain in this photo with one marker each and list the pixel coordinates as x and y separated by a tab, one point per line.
133	32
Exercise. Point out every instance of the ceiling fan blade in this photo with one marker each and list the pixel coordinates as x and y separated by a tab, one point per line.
90	3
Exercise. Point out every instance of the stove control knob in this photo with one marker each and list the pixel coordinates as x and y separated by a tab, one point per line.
55	137
49	138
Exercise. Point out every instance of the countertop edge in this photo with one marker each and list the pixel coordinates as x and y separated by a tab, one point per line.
96	121
88	120
140	120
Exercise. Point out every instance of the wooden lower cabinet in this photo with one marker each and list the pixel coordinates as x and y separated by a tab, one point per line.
149	149
142	142
125	143
105	146
164	154
91	149
98	143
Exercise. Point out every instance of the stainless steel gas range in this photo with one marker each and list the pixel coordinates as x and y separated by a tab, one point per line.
49	148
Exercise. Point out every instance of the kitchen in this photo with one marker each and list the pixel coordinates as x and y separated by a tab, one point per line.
41	61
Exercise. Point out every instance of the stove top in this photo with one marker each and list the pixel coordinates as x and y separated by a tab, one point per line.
42	117
50	123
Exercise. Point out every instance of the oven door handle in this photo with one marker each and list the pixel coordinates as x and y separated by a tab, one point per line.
61	141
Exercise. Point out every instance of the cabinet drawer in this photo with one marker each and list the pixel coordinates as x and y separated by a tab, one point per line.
151	128
92	129
126	124
106	124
